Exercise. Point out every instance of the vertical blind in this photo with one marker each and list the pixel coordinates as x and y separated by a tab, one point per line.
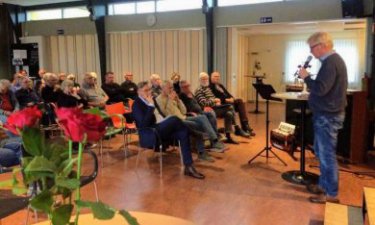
161	52
75	54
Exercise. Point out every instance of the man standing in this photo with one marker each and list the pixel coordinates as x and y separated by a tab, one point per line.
129	88
327	101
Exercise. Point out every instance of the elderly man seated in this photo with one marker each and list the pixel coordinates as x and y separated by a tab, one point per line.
94	95
193	107
226	98
206	98
170	127
169	104
155	84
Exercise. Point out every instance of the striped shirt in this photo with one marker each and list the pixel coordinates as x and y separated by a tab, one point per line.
205	97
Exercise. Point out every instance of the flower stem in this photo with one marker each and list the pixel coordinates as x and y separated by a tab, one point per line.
70	148
78	194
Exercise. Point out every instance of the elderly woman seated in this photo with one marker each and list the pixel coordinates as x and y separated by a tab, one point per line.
69	96
51	91
8	101
26	96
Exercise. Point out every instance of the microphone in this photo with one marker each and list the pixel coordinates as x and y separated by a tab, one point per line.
306	64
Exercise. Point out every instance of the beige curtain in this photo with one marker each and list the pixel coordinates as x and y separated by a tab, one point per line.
161	52
75	54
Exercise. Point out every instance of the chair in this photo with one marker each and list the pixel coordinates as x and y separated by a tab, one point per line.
90	156
115	112
150	135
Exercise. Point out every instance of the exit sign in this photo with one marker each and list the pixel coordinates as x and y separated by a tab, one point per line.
267	19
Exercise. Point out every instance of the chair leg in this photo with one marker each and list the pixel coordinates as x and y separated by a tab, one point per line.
96	191
181	156
124	140
161	160
101	152
27	216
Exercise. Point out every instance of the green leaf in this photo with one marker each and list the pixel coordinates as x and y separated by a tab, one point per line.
33	141
67	183
62	214
100	210
67	166
129	218
40	164
43	201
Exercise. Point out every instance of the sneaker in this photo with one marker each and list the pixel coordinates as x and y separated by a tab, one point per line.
205	157
314	189
219	145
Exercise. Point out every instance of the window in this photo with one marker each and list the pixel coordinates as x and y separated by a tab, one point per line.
123	8
75	12
146	7
243	2
175	5
297	52
47	14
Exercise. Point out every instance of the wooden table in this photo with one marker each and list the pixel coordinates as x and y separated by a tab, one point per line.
301	176
369	204
142	218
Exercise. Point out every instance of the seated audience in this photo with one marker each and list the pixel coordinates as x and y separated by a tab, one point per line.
26	96
8	101
207	100
175	78
72	77
226	98
62	77
170	127
41	73
169	104
94	95
69	96
51	91
10	152
16	83
129	88
112	89
155	85
193	107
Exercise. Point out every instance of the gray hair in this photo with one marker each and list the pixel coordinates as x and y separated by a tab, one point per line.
67	83
142	84
4	83
321	38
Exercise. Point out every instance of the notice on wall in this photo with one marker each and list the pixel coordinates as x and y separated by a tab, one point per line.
19	54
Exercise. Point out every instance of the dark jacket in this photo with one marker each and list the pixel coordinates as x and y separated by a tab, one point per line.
221	94
328	90
49	94
143	114
25	96
114	92
191	104
129	89
68	101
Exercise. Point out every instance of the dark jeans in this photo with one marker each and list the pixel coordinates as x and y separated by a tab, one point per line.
10	154
228	113
173	128
240	107
326	129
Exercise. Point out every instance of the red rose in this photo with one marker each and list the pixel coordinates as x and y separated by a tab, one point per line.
27	117
76	124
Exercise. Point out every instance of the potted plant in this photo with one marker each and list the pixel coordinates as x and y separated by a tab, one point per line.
51	166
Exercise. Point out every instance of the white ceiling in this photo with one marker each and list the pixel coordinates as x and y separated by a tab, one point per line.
34	2
303	27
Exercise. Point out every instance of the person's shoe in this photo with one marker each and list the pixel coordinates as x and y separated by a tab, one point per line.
248	129
221	130
230	141
315	189
218	145
205	157
192	172
239	132
322	199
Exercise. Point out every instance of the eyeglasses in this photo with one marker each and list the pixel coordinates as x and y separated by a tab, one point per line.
313	46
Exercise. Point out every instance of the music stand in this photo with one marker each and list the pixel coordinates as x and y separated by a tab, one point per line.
259	80
265	91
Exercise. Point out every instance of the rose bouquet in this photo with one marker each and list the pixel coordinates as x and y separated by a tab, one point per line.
51	166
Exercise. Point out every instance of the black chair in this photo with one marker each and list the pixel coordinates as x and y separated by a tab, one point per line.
150	135
90	168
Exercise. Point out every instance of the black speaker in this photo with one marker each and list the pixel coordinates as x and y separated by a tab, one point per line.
352	8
